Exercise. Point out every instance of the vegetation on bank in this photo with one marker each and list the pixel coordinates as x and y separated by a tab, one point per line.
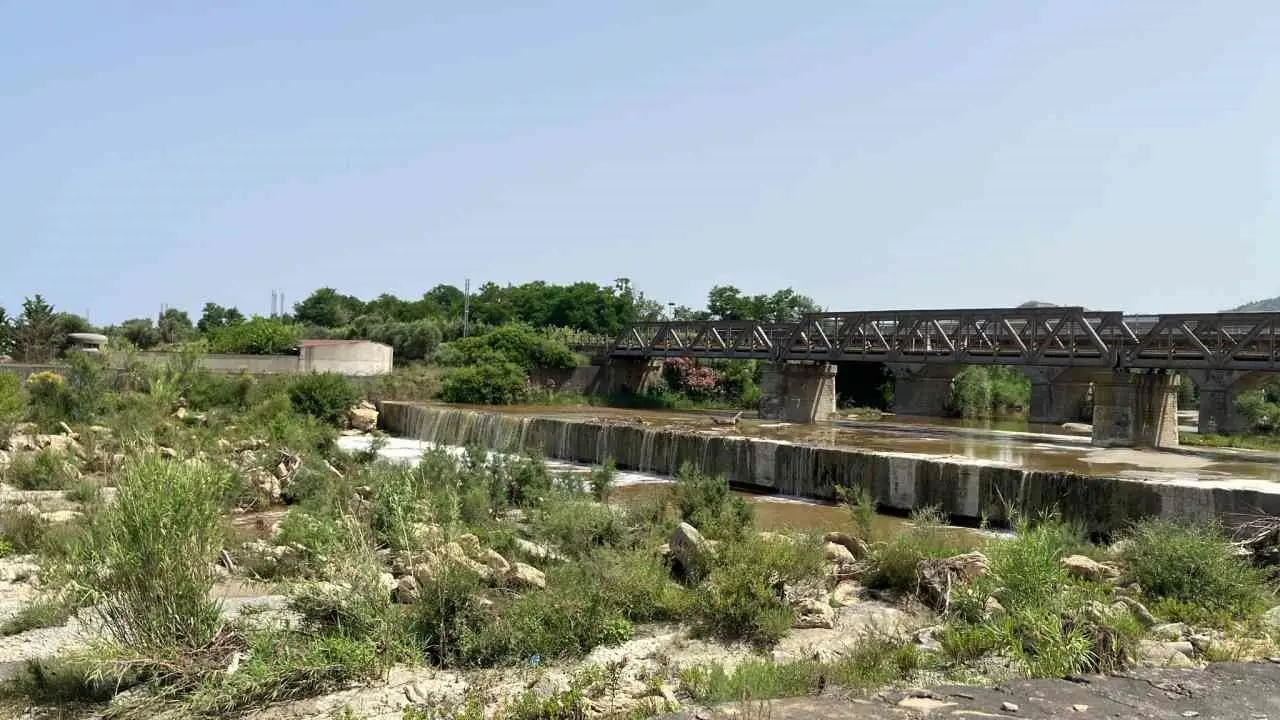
497	562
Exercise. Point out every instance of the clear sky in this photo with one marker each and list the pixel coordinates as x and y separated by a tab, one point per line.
923	153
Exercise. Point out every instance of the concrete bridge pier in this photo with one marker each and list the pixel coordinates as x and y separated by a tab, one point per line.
1219	390
922	388
1058	394
1133	409
799	392
627	375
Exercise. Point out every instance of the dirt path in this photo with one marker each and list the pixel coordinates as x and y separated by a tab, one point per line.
1222	691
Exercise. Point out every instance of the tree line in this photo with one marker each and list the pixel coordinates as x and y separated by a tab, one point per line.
414	327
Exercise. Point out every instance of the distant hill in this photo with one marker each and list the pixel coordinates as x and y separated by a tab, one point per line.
1268	305
1036	304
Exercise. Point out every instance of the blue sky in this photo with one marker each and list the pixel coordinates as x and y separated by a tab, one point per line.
1119	155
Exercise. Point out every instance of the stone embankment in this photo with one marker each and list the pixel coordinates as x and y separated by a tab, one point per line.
961	487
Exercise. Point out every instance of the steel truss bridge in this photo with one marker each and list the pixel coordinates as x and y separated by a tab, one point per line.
1047	336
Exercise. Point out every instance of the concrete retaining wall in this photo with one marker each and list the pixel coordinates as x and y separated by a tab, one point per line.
25	370
228	363
902	481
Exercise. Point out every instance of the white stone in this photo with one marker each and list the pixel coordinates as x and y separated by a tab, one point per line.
521	575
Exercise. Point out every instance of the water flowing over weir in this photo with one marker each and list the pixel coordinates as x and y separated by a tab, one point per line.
961	487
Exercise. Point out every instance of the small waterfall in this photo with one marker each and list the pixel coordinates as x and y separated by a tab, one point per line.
898	481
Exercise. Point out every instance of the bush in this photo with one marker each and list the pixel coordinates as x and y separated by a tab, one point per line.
491	383
707	503
1194	566
742	599
46	469
23	531
980	391
207	390
13	405
149	555
894	564
323	396
41	613
580	526
259	336
515	344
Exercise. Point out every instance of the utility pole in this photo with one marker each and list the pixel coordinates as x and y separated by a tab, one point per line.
466	306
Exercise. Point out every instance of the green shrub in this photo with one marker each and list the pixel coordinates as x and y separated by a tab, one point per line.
41	613
23	531
149	555
45	469
280	666
13	404
741	598
581	526
1194	566
323	396
516	344
895	563
602	479
492	383
207	390
1027	568
258	336
706	502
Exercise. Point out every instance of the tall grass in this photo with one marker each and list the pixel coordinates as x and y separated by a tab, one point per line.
147	557
1194	571
46	469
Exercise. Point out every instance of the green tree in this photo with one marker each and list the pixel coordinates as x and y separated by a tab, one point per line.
141	332
6	333
726	302
35	335
175	326
259	336
214	316
326	308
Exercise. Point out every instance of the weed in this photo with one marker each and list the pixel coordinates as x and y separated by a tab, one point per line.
579	526
861	505
602	479
40	613
896	562
85	492
1194	571
705	502
323	396
24	531
742	597
45	469
147	560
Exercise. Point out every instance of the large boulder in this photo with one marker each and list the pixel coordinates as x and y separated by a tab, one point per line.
1085	568
856	547
494	561
688	547
536	551
406	591
838	554
938	576
814	613
363	417
525	576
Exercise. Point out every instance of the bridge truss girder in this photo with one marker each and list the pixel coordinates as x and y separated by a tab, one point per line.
743	339
1043	336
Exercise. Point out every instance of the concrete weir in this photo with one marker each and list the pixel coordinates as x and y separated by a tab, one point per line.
962	487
